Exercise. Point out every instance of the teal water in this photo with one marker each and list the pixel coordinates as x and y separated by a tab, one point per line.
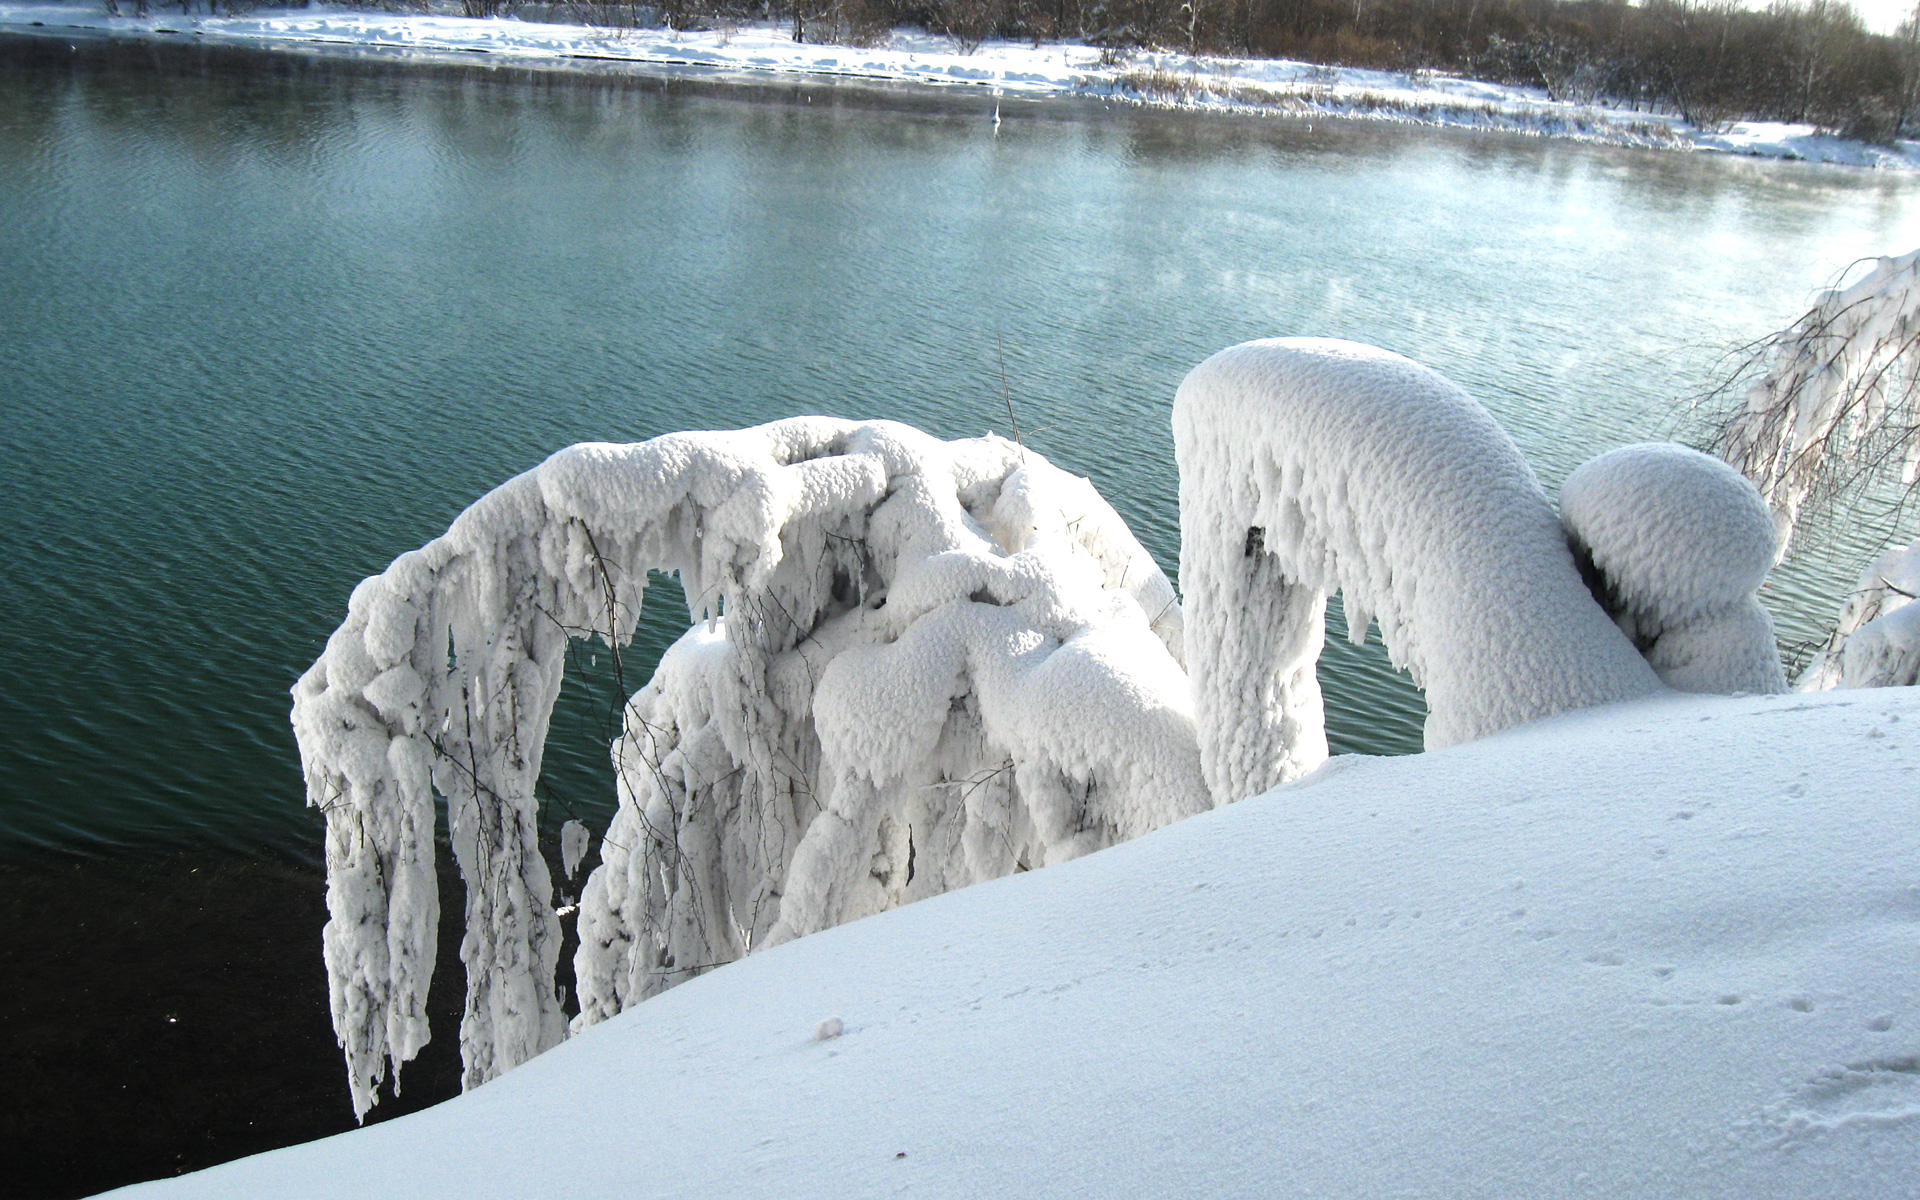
266	323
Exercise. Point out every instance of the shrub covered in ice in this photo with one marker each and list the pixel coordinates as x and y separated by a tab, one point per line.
1679	544
922	664
1872	644
1839	399
1309	466
1885	652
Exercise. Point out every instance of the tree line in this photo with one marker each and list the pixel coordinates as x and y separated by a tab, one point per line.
1799	60
1709	61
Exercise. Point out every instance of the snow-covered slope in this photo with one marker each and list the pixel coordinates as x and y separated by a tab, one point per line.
1008	68
1670	948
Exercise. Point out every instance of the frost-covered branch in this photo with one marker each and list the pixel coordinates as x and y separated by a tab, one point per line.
1837	407
885	616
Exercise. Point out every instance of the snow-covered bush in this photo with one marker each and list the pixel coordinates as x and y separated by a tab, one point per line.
921	664
1876	640
1838	405
1680	543
1309	466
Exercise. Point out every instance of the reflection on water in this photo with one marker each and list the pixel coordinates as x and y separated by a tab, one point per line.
269	321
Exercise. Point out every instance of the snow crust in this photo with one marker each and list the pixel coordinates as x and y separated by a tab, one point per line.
921	664
1309	466
1669	949
1011	69
1873	644
1681	542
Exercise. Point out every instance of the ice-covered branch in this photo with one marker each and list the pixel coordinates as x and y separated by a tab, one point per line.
1309	466
1876	641
923	663
1837	405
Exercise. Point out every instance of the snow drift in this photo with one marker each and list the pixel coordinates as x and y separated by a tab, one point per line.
1309	466
922	664
1660	950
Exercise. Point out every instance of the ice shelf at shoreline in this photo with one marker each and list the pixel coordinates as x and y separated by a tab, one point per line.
1011	69
1666	948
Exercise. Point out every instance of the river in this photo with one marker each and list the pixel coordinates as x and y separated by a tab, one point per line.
266	322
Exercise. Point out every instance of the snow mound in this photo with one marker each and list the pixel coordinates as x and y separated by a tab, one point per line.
1681	543
923	664
1888	585
1664	949
1311	465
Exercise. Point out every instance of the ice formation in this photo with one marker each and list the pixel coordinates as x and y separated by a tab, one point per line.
921	664
1838	398
1680	543
575	840
1311	465
1876	642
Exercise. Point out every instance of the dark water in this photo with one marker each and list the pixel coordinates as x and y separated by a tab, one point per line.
267	322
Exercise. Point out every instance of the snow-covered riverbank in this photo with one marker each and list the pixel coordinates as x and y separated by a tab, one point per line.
1661	949
1005	69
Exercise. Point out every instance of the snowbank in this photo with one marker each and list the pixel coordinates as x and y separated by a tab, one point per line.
1007	68
1664	949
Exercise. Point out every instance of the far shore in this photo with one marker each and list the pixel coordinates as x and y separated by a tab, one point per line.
1002	69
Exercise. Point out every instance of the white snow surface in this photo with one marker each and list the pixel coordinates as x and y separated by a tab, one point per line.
1662	949
1011	69
1683	542
922	664
1309	466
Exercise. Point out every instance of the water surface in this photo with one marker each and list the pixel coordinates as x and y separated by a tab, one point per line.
266	323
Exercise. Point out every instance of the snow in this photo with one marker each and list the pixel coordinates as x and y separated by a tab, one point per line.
1682	543
1014	70
1889	655
1310	465
1885	652
1662	949
919	665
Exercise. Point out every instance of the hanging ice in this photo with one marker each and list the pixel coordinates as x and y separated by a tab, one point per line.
1309	466
1680	543
923	664
575	840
